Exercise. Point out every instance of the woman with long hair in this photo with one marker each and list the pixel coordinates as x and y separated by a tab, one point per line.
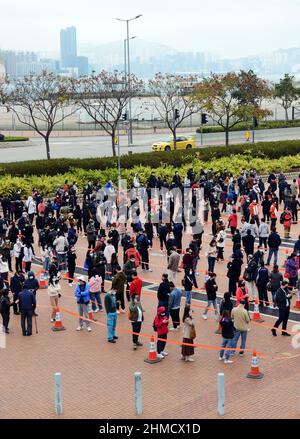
189	335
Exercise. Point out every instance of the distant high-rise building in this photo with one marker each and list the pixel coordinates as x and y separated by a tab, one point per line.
83	65
68	47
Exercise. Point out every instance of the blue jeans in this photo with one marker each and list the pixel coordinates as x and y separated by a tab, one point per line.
62	261
237	335
226	343
272	251
211	264
96	298
188	298
111	325
215	305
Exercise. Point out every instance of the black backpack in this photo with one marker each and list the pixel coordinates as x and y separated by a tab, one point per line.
282	216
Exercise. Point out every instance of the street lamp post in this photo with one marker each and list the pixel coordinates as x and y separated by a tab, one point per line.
129	70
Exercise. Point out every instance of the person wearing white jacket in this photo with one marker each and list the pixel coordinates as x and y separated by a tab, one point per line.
4	269
221	238
28	256
54	290
108	252
31	208
263	233
18	254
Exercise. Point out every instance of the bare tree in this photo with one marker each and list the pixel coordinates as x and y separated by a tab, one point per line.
40	102
175	99
105	97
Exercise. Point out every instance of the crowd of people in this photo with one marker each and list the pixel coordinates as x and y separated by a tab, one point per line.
244	212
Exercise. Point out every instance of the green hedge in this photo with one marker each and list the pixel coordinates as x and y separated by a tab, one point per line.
15	139
272	124
271	150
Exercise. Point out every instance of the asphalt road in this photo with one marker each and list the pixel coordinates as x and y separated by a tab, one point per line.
83	147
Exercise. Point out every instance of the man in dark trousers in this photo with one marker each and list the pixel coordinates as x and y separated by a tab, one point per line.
27	304
164	292
283	301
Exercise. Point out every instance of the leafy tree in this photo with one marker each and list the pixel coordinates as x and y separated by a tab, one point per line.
105	97
40	102
287	92
233	98
171	93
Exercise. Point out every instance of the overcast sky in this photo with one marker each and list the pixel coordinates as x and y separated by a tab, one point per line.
232	28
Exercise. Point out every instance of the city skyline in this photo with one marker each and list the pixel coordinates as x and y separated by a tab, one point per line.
203	27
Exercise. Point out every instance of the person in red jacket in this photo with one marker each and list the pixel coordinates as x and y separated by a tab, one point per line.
233	221
161	323
135	288
133	251
242	293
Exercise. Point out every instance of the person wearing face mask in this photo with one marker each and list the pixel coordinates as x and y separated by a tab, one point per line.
82	293
242	293
160	325
110	304
54	291
18	251
136	316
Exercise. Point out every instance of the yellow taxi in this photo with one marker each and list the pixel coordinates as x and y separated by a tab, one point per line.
182	142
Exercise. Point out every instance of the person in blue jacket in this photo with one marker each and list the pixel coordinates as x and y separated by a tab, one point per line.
82	293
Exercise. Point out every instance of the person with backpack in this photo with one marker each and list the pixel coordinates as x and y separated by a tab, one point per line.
136	316
291	270
189	335
283	301
227	329
262	281
160	325
5	305
249	276
286	220
234	268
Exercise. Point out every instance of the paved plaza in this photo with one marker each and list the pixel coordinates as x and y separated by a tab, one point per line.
98	378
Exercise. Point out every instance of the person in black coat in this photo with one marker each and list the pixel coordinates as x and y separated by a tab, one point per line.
164	292
262	280
226	304
249	243
71	264
16	286
27	304
283	301
5	305
234	268
211	288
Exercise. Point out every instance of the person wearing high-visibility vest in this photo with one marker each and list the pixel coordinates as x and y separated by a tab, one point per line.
248	136
273	215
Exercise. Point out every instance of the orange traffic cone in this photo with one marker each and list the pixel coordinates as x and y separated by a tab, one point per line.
256	313
152	356
254	371
43	280
58	326
297	304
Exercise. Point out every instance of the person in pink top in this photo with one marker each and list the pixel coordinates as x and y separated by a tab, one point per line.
95	283
233	221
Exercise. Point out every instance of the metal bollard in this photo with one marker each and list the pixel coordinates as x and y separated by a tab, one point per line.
221	394
58	397
138	393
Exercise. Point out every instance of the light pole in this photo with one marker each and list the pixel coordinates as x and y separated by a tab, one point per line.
129	70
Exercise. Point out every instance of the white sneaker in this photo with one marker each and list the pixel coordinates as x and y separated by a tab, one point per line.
216	318
71	284
189	360
165	354
160	356
80	328
118	312
122	311
96	310
221	358
150	270
204	316
174	329
228	362
89	329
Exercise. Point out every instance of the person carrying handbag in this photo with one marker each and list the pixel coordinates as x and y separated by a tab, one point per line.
189	335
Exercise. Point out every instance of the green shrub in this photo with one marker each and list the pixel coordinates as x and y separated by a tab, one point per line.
177	159
243	126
